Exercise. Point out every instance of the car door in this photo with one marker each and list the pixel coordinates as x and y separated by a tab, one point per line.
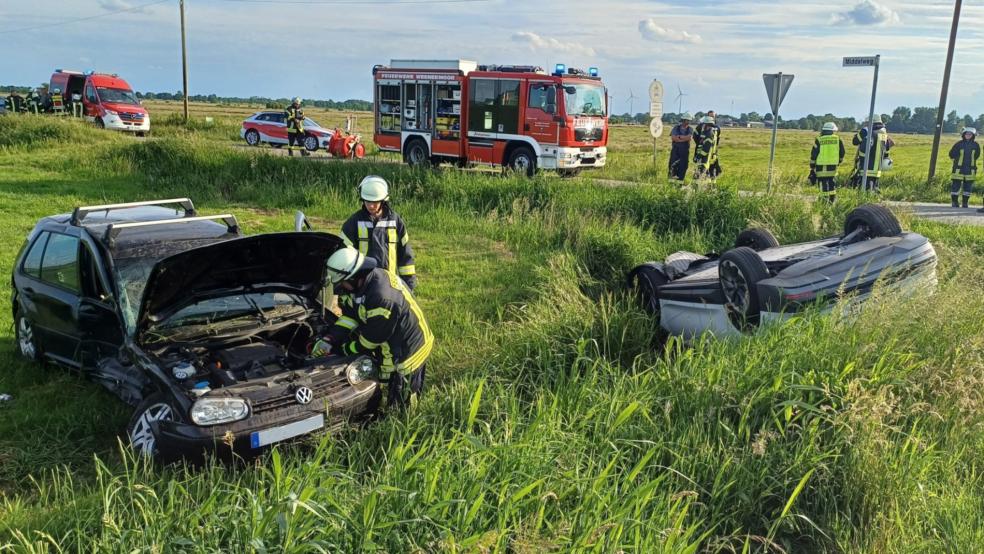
101	329
56	298
278	127
541	110
90	102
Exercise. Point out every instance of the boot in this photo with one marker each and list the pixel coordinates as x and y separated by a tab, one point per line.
966	201
953	201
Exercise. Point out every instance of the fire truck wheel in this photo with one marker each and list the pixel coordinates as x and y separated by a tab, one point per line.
522	160
415	153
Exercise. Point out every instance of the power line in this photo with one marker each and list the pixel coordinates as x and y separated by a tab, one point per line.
361	2
79	19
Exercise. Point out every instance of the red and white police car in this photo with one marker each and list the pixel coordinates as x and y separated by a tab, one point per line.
269	127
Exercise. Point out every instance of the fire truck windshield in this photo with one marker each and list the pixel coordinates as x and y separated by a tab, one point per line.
584	99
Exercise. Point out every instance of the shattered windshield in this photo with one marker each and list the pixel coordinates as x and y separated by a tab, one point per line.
583	99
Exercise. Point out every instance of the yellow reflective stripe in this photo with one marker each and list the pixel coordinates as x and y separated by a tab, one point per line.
391	240
347	323
367	343
363	239
406	238
418	358
408	270
352	348
382	312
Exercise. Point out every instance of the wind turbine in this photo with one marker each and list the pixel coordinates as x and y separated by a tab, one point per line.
679	98
631	98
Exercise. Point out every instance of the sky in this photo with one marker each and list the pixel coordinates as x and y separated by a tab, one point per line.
714	51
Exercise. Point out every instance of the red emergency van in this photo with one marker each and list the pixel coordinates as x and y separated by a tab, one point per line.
520	117
107	100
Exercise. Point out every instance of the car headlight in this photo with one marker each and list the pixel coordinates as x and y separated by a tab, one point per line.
360	370
213	411
110	112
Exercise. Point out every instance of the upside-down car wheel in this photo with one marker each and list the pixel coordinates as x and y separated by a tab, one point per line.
739	271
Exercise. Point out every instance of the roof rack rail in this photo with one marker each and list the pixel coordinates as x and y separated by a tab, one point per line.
115	229
82	211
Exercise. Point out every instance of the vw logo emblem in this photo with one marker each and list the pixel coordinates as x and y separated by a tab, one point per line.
303	395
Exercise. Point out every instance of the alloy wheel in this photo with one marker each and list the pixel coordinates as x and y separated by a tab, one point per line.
142	437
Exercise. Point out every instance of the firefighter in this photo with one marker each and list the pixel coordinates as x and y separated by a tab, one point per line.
706	154
15	103
964	154
57	102
828	153
34	102
378	232
680	137
294	118
870	154
381	318
76	105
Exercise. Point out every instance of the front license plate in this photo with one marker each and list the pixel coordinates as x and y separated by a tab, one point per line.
284	432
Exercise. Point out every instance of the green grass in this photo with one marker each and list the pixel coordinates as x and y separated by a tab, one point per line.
555	420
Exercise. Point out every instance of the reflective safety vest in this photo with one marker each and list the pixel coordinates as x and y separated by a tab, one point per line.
382	317
294	123
384	239
56	102
707	150
829	152
965	154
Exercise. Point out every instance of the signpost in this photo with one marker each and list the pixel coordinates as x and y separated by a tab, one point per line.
867	61
656	113
776	86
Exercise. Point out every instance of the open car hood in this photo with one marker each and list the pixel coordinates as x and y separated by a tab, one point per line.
293	263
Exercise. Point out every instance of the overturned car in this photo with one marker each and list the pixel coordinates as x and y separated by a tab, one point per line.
205	331
760	281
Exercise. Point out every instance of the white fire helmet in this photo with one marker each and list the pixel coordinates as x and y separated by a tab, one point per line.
343	264
374	188
830	126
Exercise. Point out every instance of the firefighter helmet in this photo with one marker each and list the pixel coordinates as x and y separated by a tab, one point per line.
830	126
707	119
970	130
57	90
297	100
344	264
374	189
687	116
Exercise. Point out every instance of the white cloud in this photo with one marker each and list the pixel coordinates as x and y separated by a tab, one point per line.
120	6
537	42
867	12
651	31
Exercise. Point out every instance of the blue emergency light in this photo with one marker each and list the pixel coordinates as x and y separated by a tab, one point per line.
593	71
560	69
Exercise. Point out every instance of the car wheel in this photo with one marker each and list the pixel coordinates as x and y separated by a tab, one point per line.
415	153
522	160
757	239
646	280
252	137
739	271
311	143
873	220
26	343
140	431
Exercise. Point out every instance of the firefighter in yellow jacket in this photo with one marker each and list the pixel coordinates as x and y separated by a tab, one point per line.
380	233
294	118
828	153
706	154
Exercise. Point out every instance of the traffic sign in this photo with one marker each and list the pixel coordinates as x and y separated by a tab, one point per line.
656	110
860	61
656	91
776	86
656	128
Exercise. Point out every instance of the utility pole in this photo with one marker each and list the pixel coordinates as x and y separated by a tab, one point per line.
184	62
946	86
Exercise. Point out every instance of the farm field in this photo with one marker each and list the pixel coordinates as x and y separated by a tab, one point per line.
557	419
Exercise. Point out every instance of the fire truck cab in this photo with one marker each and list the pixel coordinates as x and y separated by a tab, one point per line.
521	117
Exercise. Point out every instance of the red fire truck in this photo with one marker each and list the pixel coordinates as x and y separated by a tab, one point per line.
521	117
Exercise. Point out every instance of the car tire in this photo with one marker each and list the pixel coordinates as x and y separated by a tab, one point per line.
522	160
645	281
739	271
756	238
415	153
252	137
311	143
27	344
139	430
874	220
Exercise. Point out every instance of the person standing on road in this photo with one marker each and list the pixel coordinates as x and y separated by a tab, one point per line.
964	154
378	232
380	318
706	155
294	118
680	138
828	153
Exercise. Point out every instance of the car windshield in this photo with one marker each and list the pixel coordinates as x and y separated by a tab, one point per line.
584	99
308	122
117	96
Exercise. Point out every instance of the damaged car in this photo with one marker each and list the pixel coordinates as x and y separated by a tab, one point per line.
759	281
206	332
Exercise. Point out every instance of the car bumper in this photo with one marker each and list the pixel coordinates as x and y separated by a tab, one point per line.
574	157
115	123
259	430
